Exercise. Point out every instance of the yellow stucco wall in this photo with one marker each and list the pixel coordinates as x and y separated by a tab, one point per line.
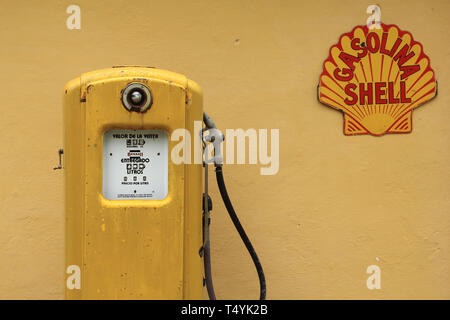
338	203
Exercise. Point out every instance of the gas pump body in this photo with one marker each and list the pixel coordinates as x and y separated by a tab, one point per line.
126	243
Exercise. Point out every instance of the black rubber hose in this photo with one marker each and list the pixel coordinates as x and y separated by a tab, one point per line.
241	231
207	267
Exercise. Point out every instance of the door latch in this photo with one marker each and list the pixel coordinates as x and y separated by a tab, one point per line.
60	153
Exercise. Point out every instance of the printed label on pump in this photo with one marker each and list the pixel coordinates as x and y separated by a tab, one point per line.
135	164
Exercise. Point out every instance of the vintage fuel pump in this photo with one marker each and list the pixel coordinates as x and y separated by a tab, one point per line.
135	227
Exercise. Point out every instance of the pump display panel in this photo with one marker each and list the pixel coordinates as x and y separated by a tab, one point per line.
135	164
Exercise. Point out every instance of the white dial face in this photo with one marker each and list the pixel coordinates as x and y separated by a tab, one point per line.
135	164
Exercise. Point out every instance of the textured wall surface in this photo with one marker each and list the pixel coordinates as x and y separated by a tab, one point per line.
337	205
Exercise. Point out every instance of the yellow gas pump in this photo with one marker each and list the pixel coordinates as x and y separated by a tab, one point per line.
133	217
137	222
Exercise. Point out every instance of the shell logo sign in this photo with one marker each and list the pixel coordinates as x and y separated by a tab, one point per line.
376	77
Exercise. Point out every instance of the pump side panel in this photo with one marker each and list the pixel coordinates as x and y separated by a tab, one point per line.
193	263
133	249
73	111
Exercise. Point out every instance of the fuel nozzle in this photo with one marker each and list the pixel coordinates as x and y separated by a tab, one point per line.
214	136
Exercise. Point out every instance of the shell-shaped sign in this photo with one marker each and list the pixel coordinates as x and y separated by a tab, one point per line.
376	77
